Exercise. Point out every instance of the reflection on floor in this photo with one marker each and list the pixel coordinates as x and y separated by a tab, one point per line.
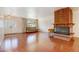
38	42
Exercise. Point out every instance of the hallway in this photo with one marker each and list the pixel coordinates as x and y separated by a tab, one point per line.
38	42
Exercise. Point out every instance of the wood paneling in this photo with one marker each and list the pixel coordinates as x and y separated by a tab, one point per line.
63	16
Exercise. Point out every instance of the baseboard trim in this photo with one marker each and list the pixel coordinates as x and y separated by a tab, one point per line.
12	33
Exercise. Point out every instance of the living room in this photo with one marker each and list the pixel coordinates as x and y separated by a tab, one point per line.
30	28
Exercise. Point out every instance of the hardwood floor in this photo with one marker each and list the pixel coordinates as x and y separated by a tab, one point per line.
38	42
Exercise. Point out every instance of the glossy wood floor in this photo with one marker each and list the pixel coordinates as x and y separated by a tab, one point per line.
38	42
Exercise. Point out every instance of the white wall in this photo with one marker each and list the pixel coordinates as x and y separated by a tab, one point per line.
46	18
45	23
1	30
76	21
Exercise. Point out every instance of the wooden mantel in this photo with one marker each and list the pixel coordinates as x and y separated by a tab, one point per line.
64	25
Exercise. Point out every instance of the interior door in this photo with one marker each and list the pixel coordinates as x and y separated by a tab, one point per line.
13	26
8	26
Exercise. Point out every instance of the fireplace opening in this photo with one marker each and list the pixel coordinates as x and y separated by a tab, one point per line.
62	30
